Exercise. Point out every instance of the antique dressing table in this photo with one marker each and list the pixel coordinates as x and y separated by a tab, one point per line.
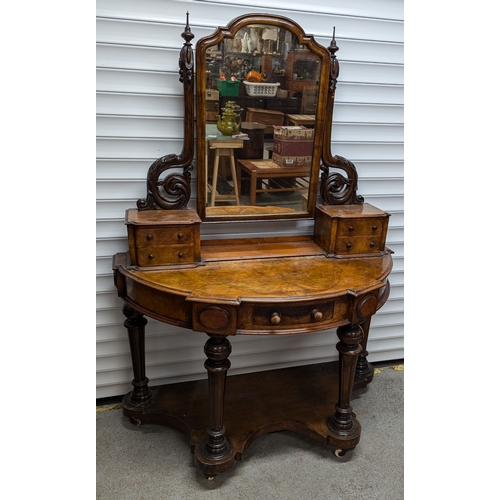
336	277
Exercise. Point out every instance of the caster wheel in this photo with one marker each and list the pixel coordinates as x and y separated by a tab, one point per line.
135	421
340	452
210	478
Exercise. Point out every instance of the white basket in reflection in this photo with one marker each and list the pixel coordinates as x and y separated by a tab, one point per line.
264	89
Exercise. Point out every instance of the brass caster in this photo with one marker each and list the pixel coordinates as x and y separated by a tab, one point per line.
340	452
210	478
135	421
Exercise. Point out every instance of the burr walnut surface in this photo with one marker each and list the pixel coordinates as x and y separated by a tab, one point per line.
281	279
292	287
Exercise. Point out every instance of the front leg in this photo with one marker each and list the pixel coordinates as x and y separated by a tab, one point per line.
215	454
135	323
342	422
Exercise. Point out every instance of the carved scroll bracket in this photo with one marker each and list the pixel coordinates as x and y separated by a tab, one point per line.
339	178
172	191
339	182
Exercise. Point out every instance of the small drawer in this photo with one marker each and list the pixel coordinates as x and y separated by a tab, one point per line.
349	230
275	316
165	255
360	227
357	245
145	237
163	237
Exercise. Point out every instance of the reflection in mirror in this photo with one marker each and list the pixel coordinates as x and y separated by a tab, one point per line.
261	93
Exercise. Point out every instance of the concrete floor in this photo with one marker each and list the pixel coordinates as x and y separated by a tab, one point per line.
154	462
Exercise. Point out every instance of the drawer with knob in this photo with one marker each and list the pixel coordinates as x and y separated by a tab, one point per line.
357	245
163	237
297	316
351	230
156	255
360	227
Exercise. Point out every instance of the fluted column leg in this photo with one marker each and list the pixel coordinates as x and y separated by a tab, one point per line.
135	324
215	454
342	422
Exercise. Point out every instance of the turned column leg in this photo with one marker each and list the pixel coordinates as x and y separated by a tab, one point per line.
342	422
215	454
135	325
363	368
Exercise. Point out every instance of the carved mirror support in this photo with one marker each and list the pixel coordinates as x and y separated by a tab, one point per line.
273	53
339	178
169	177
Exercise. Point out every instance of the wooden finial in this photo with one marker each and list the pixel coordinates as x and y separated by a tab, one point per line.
333	44
187	35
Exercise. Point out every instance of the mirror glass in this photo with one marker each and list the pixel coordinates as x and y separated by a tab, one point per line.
257	100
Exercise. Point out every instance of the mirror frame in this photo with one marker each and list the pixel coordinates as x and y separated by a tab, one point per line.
322	118
168	182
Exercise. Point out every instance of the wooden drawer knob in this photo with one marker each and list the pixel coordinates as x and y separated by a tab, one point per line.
149	237
275	318
317	315
151	256
348	245
374	227
180	236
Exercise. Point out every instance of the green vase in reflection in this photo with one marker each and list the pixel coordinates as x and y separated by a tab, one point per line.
230	121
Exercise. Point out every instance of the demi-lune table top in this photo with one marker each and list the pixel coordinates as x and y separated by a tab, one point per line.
240	292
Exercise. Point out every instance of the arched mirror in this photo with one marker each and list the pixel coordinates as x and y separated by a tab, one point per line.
262	106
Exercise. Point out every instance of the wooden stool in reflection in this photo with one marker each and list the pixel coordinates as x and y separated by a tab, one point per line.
224	149
274	178
305	120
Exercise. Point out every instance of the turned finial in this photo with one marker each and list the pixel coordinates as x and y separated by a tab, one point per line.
187	35
333	44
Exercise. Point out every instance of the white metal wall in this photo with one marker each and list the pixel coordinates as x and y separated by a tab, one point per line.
139	118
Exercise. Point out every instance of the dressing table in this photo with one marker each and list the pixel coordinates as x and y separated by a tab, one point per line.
335	277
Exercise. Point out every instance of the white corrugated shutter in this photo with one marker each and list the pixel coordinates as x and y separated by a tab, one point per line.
139	118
